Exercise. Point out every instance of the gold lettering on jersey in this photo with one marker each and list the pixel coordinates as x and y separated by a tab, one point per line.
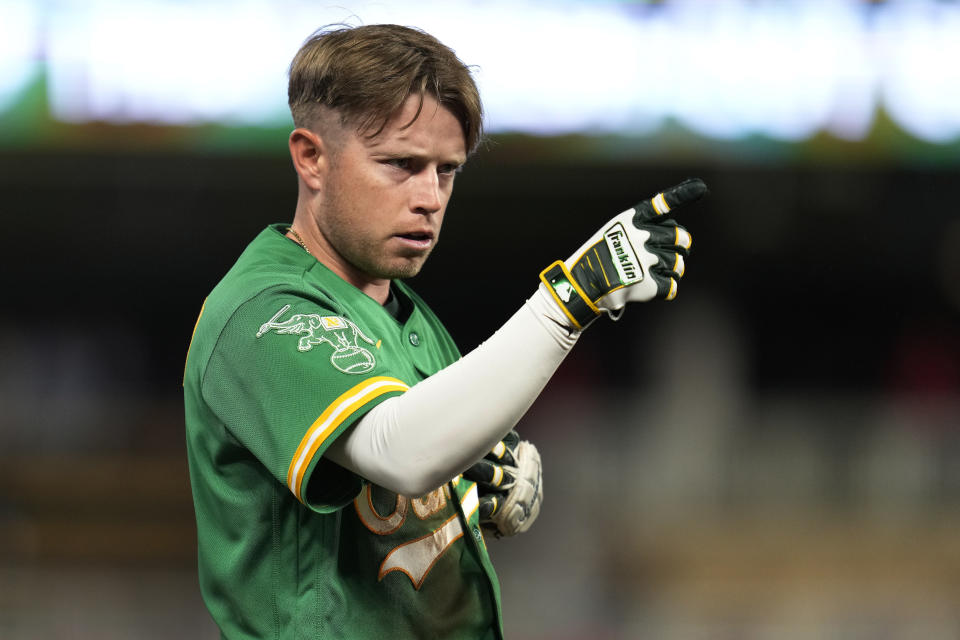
380	525
427	505
417	557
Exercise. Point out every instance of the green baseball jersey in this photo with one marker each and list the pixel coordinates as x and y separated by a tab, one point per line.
286	356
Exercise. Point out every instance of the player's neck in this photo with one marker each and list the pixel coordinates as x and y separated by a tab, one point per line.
379	291
376	288
306	233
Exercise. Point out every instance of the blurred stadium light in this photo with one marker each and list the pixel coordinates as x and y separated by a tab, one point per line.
19	40
725	70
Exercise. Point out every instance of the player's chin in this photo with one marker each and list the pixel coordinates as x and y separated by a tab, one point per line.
405	267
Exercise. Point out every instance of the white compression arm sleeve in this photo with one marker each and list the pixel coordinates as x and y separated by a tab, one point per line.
413	443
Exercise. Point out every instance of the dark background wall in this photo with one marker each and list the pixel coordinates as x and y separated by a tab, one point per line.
829	268
807	379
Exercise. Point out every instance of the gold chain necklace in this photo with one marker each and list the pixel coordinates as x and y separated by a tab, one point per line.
296	236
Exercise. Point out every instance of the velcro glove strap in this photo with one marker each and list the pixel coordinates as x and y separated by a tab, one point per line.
566	291
637	256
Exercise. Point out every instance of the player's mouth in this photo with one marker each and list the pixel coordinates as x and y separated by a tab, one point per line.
421	240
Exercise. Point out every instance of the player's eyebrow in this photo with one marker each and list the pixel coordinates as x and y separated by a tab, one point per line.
457	160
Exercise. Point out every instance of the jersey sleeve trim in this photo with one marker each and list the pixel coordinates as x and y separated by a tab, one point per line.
332	417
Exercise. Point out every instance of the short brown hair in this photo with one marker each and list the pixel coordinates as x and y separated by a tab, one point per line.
367	73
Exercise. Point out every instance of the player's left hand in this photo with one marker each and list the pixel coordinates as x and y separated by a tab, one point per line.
509	482
637	256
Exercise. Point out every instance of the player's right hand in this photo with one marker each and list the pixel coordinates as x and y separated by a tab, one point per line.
509	485
637	256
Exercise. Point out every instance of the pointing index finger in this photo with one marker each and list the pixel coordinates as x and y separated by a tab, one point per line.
689	190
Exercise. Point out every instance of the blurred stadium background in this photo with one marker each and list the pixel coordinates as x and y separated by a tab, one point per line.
774	455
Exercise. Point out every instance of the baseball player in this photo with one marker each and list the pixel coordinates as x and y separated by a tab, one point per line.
344	459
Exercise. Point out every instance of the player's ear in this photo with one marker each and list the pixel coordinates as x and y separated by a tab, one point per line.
310	156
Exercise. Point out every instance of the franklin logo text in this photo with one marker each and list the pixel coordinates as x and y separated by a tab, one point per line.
623	255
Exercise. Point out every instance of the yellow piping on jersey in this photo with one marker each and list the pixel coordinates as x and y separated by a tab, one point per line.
470	502
192	335
332	417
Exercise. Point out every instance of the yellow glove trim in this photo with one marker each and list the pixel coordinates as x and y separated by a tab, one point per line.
576	287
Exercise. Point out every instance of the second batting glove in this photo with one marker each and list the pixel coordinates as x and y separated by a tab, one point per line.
510	485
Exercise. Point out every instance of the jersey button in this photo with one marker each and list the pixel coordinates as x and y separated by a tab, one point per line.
414	338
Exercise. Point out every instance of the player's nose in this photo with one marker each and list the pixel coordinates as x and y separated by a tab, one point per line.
426	196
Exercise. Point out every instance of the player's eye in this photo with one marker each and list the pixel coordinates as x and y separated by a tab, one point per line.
399	163
449	169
